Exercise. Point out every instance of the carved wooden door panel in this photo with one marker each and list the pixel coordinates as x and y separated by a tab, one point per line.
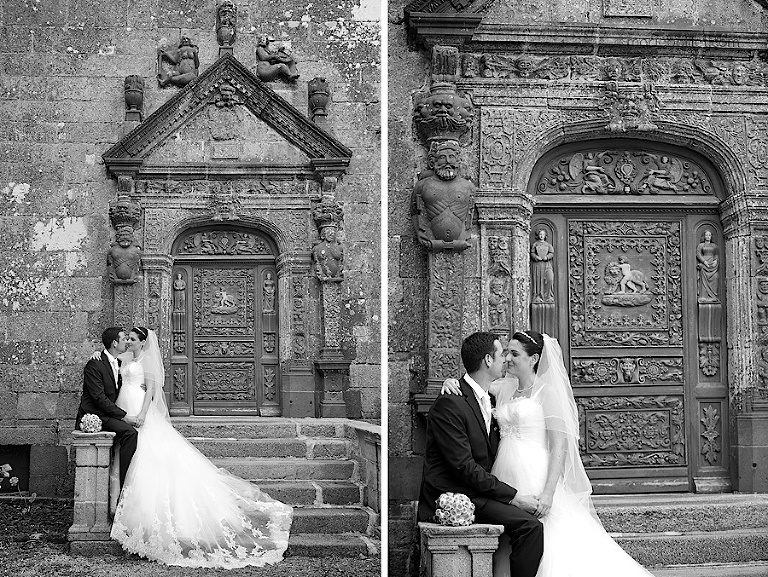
225	345
641	325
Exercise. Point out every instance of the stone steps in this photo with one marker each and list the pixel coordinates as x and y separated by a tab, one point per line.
675	533
274	448
259	469
306	463
759	569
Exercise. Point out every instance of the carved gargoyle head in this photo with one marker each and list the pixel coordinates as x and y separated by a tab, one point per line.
443	113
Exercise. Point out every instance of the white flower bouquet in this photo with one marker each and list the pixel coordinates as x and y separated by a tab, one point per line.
90	423
455	509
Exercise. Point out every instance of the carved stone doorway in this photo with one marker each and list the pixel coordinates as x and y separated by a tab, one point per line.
635	294
225	324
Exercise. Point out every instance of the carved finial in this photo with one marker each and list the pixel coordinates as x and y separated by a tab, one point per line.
134	97
226	26
318	93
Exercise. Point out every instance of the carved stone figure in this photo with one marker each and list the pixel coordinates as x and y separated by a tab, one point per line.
628	368
630	110
268	298
708	268
625	287
179	293
124	258
497	303
134	97
184	61
542	272
274	63
226	23
443	113
441	201
328	255
227	304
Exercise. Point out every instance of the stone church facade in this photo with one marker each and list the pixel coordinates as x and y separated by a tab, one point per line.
611	191
208	170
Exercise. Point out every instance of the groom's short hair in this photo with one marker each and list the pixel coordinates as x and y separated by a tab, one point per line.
475	347
109	335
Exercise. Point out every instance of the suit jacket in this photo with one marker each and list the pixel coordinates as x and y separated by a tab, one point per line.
459	453
100	390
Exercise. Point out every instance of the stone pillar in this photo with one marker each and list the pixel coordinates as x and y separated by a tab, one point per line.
466	551
124	256
89	533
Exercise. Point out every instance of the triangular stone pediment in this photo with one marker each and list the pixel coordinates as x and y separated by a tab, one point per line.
203	129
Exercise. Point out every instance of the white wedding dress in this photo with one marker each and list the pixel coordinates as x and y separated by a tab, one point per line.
575	543
178	508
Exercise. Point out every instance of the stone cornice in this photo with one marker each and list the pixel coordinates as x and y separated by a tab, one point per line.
602	40
127	157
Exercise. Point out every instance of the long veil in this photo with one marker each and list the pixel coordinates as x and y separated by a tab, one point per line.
552	388
154	373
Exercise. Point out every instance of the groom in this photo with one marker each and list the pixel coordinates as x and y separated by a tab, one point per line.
462	440
101	384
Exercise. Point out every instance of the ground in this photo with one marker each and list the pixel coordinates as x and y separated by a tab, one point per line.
34	544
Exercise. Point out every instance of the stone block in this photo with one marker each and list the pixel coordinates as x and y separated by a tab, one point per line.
400	423
405	478
37	405
466	551
43	433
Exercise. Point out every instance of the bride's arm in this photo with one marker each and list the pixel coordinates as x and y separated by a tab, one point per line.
150	394
557	440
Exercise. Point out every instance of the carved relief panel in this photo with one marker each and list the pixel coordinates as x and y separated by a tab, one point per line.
225	324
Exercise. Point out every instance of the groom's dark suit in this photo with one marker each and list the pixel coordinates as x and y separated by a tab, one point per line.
458	459
99	395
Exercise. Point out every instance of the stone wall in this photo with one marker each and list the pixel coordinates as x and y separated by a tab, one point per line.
62	67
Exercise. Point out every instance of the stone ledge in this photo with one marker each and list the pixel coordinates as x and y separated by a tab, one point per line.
466	551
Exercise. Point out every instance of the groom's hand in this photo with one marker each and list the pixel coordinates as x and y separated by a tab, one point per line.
130	420
527	503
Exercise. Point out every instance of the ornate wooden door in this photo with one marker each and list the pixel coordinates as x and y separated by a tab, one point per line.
642	331
225	326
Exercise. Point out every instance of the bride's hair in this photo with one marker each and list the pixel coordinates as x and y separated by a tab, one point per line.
143	332
532	343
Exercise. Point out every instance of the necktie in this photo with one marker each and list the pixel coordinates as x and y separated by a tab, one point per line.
485	403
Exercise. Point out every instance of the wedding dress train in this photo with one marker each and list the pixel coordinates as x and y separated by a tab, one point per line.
178	508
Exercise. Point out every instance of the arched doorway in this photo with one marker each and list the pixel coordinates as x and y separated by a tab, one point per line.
627	271
224	323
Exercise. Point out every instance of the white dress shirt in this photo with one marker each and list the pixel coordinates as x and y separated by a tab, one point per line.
113	363
483	399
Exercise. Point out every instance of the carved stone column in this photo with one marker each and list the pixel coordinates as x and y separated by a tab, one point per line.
124	256
89	533
441	209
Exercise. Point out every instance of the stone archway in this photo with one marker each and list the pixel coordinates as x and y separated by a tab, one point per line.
225	323
621	273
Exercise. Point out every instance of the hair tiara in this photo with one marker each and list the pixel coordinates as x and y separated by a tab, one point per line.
142	331
529	337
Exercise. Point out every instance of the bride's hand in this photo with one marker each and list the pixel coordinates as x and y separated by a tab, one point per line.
140	419
96	356
450	387
545	504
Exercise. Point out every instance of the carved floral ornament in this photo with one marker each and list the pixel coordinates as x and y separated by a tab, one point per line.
598	68
620	171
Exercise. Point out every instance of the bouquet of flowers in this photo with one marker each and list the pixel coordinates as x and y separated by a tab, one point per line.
90	423
455	509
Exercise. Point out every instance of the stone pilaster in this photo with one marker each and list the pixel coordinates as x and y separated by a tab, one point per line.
89	533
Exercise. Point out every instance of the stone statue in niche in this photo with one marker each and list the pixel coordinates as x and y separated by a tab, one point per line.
124	257
177	66
179	302
498	304
274	63
441	201
328	255
708	268
542	272
626	286
226	24
134	97
268	300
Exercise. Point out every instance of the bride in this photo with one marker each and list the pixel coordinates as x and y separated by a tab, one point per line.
539	455
176	507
